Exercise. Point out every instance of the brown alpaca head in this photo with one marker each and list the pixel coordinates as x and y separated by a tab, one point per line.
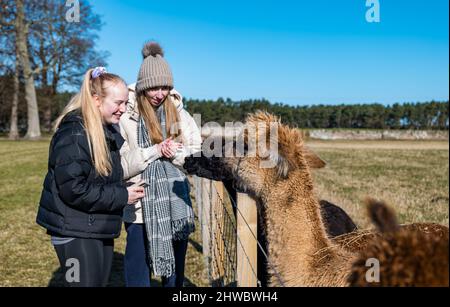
264	153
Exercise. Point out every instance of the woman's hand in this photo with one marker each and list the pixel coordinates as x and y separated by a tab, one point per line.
134	194
168	148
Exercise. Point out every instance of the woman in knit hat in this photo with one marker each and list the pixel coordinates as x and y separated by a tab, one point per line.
159	133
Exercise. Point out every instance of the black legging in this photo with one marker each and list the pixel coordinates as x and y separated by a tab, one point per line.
94	257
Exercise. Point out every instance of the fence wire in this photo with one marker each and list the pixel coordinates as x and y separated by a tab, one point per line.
218	216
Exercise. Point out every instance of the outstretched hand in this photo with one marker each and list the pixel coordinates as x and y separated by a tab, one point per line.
169	147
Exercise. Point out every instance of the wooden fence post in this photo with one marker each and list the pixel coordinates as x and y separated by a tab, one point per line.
198	200
246	242
217	225
206	210
210	197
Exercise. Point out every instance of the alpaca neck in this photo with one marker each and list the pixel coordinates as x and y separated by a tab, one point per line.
295	231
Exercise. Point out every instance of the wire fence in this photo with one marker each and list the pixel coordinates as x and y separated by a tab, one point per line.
229	225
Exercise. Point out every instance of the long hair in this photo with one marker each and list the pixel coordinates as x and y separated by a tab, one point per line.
92	118
151	120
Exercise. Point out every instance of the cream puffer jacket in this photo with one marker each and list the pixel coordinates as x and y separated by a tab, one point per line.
135	159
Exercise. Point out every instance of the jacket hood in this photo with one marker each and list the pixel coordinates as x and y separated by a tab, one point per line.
73	116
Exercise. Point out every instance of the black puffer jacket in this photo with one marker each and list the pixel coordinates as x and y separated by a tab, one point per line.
75	201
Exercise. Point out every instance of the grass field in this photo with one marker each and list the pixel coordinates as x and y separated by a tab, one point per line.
412	176
27	257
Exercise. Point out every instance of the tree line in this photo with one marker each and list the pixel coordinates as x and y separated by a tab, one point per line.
432	115
419	115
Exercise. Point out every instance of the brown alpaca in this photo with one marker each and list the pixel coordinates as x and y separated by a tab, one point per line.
336	220
299	248
406	257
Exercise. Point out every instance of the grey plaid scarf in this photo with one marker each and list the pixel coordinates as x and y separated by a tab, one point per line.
167	208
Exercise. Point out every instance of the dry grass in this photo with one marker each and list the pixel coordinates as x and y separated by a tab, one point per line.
412	176
27	257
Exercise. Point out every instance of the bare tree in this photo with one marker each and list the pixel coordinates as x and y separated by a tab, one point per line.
13	128
22	26
9	64
51	53
63	50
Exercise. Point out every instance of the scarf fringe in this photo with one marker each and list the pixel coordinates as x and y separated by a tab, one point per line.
182	228
164	267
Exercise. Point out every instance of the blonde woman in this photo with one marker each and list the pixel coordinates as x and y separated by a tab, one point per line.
84	193
159	133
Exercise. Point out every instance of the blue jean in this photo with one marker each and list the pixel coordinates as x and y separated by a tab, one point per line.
136	264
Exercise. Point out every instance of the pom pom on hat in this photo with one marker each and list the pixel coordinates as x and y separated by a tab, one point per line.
152	49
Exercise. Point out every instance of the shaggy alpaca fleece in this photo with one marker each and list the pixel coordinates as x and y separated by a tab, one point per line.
299	249
407	256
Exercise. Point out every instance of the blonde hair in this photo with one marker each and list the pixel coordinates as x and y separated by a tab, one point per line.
151	120
92	118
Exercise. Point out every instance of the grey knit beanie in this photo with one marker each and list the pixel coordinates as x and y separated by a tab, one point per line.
154	71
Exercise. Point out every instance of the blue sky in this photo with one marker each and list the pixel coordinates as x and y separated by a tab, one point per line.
295	52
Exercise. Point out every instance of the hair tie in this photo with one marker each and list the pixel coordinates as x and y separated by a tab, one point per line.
98	71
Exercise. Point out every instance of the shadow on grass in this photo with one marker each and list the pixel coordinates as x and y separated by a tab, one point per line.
116	278
189	283
198	247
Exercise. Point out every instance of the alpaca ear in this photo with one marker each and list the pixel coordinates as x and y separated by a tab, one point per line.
282	164
381	215
313	160
283	167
